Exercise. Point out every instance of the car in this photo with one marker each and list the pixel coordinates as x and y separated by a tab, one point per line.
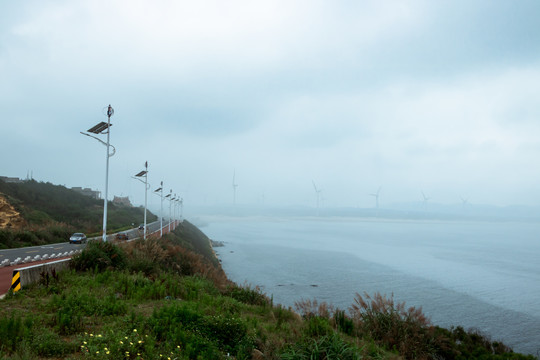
141	227
122	236
77	238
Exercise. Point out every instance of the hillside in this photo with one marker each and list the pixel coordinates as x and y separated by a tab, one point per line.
37	213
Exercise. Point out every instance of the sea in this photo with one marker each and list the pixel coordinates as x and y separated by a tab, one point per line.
478	275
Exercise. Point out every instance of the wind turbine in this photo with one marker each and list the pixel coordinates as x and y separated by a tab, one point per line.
318	194
376	195
234	185
465	202
425	200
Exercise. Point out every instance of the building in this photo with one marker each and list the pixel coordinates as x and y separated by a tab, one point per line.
122	201
88	192
8	179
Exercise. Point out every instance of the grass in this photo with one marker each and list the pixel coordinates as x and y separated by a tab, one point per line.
169	298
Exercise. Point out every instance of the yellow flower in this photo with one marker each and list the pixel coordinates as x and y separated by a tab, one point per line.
99	335
91	334
140	341
97	352
121	342
134	330
84	342
108	352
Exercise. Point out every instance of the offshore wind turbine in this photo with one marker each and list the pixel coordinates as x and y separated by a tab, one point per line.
318	195
376	195
234	185
425	200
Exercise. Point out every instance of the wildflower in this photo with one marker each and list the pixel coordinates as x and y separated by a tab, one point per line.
140	341
97	352
130	343
134	330
108	352
121	342
91	334
84	342
99	335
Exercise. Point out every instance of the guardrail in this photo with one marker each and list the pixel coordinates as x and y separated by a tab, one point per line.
31	274
30	259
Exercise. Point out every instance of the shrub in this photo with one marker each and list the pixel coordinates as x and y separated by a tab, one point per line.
14	331
406	330
99	256
48	344
343	322
326	347
247	295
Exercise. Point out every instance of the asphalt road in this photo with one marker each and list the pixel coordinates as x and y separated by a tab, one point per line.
32	251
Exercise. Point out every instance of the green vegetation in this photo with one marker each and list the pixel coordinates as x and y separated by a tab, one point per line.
169	298
53	212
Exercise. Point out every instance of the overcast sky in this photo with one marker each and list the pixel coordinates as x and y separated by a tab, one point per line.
440	97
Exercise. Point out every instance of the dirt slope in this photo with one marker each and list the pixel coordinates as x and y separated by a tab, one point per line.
9	217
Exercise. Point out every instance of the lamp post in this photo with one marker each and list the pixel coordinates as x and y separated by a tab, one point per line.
104	128
182	209
171	217
175	209
168	197
160	189
146	186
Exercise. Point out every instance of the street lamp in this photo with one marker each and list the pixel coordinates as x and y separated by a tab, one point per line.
171	217
104	128
160	189
169	197
182	209
146	186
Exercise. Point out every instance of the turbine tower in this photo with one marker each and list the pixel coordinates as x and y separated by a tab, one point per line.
376	195
424	201
318	195
234	185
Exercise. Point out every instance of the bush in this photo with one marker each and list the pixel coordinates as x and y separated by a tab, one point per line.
326	347
99	256
14	331
247	295
389	324
49	344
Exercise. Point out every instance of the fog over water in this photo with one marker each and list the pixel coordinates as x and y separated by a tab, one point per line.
480	275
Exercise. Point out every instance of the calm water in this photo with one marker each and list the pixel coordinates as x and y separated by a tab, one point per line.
477	275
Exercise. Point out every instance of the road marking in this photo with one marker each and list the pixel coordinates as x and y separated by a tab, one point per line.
16	281
31	251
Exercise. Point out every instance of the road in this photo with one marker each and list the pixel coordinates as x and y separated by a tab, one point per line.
60	248
32	251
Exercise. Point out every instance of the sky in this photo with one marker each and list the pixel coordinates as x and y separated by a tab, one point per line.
412	97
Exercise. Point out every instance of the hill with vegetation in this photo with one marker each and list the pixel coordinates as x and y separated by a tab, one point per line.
44	213
168	298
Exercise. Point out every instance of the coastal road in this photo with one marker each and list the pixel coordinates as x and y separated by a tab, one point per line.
6	272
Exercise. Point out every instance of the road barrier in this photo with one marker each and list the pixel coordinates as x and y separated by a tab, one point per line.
31	274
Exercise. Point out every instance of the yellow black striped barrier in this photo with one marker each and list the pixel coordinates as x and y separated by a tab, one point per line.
16	281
